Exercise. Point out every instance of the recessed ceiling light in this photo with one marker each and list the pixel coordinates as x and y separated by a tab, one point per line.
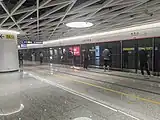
31	18
79	24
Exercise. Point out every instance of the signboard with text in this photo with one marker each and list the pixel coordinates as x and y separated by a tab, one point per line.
7	36
32	42
23	45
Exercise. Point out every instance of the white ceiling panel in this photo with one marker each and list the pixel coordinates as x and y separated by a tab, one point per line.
45	19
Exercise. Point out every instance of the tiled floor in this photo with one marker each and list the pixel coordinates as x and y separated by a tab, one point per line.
56	93
45	102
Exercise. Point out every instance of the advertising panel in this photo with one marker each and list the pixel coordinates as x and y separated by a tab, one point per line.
75	50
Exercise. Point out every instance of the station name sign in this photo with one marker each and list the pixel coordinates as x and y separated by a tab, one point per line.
32	42
7	36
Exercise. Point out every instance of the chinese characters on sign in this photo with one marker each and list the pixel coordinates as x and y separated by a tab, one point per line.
10	37
7	36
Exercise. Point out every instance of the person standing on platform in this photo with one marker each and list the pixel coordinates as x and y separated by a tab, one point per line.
107	59
125	55
143	57
33	58
20	58
85	59
41	57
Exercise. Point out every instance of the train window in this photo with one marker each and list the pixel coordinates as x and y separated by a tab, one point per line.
156	63
91	50
129	55
115	48
146	44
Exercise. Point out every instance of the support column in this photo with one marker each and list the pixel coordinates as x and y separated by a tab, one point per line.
10	102
8	52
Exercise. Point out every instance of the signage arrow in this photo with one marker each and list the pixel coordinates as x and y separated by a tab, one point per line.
1	36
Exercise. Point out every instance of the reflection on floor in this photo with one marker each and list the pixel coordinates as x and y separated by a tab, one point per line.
43	101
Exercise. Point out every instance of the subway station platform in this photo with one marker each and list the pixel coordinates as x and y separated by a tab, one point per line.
58	92
124	33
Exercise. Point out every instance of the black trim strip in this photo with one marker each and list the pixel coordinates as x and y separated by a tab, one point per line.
9	71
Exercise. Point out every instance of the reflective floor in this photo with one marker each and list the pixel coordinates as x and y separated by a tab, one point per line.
49	92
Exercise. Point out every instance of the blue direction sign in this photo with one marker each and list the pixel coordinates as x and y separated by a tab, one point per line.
32	42
23	45
37	42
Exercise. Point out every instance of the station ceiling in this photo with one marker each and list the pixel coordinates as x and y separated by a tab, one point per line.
46	19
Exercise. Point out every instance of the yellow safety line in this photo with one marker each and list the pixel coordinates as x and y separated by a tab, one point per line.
111	90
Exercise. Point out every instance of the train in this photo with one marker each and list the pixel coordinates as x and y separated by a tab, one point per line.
124	45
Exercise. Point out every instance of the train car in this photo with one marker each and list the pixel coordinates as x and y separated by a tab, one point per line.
124	45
